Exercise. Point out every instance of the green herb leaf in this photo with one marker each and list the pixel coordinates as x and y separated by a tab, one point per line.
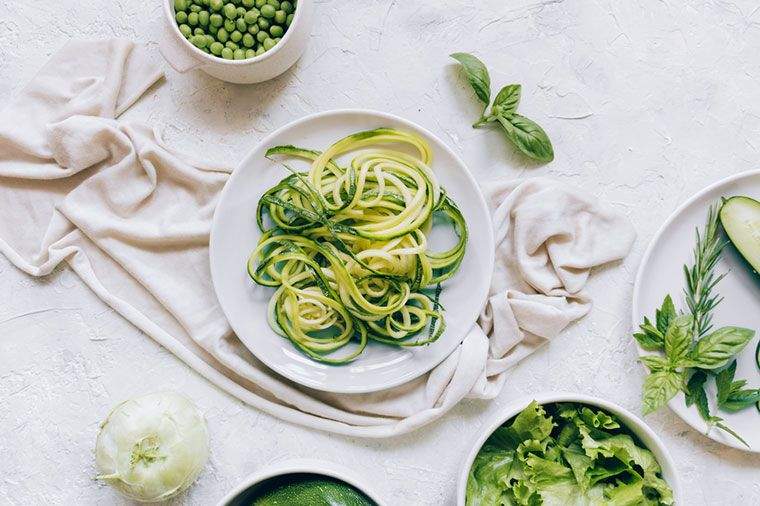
695	394
717	348
477	75
505	103
665	314
528	137
724	380
678	339
655	363
659	388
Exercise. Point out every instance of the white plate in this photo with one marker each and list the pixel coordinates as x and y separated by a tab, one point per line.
661	273
235	234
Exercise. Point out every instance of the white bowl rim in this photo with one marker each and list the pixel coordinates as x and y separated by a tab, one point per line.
490	250
632	422
294	25
303	466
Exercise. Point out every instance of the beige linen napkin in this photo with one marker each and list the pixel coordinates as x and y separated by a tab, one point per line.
132	218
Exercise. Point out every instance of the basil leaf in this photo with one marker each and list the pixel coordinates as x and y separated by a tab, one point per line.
505	103
650	338
665	314
659	388
528	137
477	74
678	339
724	381
655	363
695	394
717	348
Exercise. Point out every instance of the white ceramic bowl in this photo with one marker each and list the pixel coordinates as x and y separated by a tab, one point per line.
632	422
183	56
301	466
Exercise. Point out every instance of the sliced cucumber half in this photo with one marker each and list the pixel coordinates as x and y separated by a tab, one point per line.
740	217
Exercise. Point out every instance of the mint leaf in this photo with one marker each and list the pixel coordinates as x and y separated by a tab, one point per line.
678	339
659	388
724	380
715	349
505	103
528	137
477	75
695	393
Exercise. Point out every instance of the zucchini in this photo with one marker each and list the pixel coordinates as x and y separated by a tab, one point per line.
346	248
740	217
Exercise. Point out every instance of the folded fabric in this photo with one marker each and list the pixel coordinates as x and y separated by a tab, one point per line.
132	218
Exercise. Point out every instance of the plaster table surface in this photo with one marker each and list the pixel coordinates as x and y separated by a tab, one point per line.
646	102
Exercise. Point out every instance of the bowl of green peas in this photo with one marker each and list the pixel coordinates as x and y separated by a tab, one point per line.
239	41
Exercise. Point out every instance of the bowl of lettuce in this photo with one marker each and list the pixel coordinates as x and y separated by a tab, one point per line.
568	449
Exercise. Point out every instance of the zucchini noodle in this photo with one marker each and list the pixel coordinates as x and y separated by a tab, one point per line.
346	248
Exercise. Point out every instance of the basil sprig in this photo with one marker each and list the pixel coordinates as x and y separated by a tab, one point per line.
690	351
524	133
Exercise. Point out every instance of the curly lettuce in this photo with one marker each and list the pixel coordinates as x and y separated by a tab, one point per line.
565	454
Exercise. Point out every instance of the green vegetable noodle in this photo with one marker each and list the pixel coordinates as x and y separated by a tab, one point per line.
565	454
219	28
346	247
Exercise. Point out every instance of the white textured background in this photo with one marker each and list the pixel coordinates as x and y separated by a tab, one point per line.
646	102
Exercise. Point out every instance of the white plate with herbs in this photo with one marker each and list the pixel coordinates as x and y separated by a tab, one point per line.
728	322
269	331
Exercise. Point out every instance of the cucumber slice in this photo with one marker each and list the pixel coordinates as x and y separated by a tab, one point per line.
740	217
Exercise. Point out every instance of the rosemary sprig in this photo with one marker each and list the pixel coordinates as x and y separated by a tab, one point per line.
701	278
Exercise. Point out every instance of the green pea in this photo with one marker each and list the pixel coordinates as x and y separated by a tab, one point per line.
241	11
216	5
199	31
230	12
250	53
263	23
229	25
222	35
185	30
216	20
195	8
274	3
231	45
268	11
253	29
260	50
287	7
262	36
277	39
227	53
198	41
248	40
203	18
180	5
269	43
260	3
248	3
239	54
241	25
276	31
192	19
280	17
181	17
236	36
209	40
289	19
251	16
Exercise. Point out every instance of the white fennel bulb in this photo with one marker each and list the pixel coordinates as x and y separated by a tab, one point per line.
153	447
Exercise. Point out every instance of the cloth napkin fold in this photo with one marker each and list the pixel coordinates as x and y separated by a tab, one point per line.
132	218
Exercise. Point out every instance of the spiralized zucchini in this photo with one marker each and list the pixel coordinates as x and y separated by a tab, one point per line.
346	248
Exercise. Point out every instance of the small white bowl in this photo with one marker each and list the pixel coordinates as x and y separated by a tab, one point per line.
632	422
302	466
183	56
